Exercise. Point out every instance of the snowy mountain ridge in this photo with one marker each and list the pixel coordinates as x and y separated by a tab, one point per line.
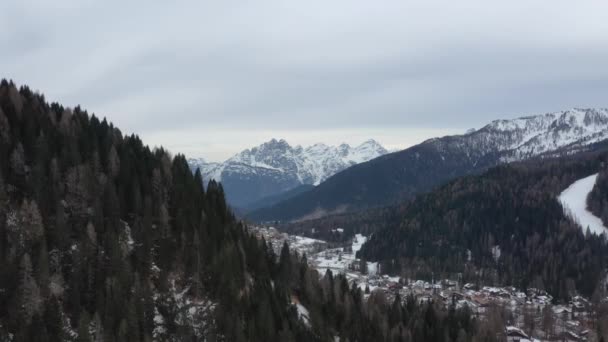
311	165
402	175
276	166
526	137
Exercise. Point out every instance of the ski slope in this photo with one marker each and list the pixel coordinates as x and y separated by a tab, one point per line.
574	201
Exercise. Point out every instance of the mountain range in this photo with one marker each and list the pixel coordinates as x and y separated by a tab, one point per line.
104	239
401	175
275	167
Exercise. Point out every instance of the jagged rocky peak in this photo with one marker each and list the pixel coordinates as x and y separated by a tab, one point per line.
372	146
419	168
576	117
528	136
310	165
596	116
271	154
275	166
272	145
371	142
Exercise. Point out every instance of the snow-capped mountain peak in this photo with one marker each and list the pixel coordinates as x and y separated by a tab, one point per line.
525	137
369	147
417	169
312	164
277	161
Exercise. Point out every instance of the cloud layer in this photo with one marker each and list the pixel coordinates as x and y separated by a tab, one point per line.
208	78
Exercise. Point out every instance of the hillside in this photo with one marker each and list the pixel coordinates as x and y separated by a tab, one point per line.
274	199
505	226
104	239
401	175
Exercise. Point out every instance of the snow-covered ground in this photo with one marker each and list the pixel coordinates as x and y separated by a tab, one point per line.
194	313
301	241
574	201
476	297
303	314
358	242
341	260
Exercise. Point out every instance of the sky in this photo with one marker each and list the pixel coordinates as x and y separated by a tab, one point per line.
210	78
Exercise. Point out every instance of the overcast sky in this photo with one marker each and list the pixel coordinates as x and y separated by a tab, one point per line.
211	78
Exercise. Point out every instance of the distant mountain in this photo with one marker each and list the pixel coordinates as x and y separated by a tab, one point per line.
420	168
275	167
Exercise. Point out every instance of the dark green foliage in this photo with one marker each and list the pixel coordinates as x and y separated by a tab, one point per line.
75	191
598	198
513	207
97	230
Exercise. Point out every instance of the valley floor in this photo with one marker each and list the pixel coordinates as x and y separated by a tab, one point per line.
574	319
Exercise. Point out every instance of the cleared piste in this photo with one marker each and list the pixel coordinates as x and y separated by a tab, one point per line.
574	201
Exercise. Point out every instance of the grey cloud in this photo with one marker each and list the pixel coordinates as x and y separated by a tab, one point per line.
305	66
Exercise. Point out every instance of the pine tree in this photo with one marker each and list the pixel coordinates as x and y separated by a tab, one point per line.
363	266
52	318
42	268
29	299
83	328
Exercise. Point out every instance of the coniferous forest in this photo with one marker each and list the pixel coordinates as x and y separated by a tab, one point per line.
504	227
457	229
105	239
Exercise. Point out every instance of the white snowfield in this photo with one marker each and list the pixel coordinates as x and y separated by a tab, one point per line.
574	201
338	260
303	314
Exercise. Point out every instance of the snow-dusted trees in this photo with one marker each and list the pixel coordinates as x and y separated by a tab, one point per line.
78	189
5	133
163	215
24	228
17	165
31	221
113	162
96	229
29	300
598	197
15	99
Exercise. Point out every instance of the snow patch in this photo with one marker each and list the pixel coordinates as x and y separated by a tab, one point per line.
358	242
303	314
496	253
574	201
340	259
189	311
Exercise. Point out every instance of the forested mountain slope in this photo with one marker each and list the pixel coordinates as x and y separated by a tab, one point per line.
505	226
402	175
103	239
274	199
